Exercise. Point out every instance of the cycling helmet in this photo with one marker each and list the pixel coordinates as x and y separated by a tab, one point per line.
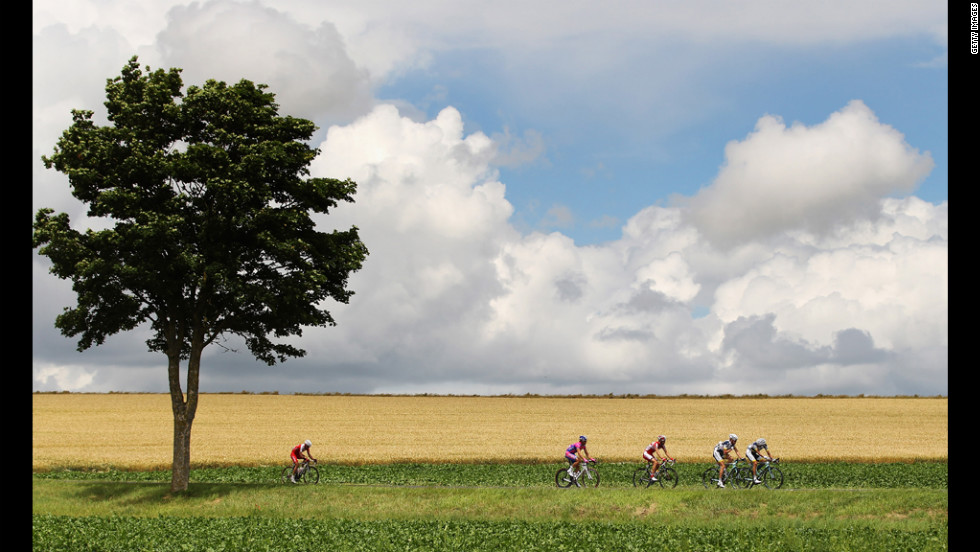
762	442
733	437
308	443
662	438
582	438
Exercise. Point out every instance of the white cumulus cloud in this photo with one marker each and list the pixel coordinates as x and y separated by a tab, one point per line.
804	266
810	178
452	292
307	66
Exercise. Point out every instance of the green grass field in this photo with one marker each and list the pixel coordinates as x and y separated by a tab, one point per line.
821	507
834	475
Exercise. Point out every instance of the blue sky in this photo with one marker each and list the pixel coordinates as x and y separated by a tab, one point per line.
563	197
603	157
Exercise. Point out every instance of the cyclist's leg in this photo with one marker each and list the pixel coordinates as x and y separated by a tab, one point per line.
755	464
572	463
650	461
722	459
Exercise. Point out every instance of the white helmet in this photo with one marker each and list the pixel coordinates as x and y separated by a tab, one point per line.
733	437
761	441
308	443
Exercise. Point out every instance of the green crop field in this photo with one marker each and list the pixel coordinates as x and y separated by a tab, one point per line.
490	507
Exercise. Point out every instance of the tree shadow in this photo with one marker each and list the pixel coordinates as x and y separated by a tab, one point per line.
157	494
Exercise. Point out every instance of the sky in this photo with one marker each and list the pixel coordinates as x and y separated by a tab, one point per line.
566	197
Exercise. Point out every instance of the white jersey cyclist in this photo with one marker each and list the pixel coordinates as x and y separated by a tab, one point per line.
721	453
755	455
754	451
723	447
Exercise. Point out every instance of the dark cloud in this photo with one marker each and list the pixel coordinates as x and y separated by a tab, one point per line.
757	345
854	346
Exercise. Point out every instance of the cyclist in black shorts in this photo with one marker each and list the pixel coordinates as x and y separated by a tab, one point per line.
722	453
754	454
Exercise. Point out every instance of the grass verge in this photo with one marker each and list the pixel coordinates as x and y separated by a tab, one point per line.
223	511
76	515
932	475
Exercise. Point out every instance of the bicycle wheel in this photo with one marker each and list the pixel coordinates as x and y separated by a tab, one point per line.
312	475
740	478
590	479
710	478
641	477
772	478
286	472
667	477
562	479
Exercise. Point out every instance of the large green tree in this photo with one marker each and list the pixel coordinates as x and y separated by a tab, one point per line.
210	200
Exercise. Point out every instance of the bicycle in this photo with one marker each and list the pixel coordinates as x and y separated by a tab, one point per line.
587	476
666	475
769	475
305	473
732	477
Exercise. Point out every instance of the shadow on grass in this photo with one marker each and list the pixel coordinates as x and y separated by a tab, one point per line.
146	494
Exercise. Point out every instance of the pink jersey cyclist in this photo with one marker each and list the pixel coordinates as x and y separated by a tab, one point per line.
575	453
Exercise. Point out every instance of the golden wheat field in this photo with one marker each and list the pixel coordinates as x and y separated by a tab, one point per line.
136	430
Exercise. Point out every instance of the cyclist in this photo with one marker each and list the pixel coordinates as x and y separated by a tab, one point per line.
299	452
652	454
754	453
575	454
722	454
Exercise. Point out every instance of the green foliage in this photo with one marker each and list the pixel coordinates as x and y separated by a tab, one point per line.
487	507
211	207
931	475
259	534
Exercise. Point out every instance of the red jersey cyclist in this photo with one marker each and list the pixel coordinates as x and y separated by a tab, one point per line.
652	455
575	454
299	452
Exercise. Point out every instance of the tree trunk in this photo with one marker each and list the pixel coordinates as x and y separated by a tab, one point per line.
181	469
184	410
